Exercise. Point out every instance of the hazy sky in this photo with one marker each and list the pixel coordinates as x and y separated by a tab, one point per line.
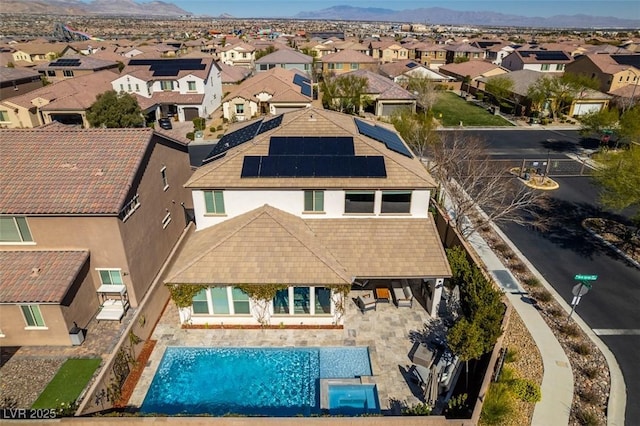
286	8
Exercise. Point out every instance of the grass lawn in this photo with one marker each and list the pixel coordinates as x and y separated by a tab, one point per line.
455	109
68	382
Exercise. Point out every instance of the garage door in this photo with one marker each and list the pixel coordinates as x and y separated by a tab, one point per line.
582	109
190	114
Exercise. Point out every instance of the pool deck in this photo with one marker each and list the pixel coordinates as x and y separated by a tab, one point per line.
388	331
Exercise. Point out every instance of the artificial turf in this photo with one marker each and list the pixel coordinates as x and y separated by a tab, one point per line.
451	109
68	383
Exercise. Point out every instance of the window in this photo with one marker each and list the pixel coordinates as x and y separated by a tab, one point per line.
339	66
137	87
220	300
322	300
51	73
301	300
67	73
313	201
354	66
545	67
129	87
166	220
110	276
244	55
233	55
281	302
396	202
214	202
14	229
239	108
191	86
240	301
165	181
560	67
199	304
32	315
332	66
4	115
166	85
359	202
122	87
130	207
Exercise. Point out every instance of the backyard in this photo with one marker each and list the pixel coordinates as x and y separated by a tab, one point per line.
451	110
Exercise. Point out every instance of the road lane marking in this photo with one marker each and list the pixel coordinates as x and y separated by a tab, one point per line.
617	331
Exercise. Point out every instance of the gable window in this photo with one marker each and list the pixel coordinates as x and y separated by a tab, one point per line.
313	201
32	316
67	73
191	86
165	181
214	202
110	276
4	116
545	67
359	201
166	85
14	229
129	87
122	87
396	202
239	108
244	55
354	66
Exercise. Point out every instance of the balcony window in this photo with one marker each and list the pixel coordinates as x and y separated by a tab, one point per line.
110	276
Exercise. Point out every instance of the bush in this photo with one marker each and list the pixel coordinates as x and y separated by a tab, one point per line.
199	123
587	418
526	390
582	348
511	355
543	295
589	396
498	405
555	312
419	409
501	247
532	282
191	136
479	96
570	330
518	267
212	129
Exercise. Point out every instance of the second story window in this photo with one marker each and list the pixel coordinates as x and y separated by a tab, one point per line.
4	115
32	316
214	202
166	85
165	181
359	201
560	67
67	73
396	202
14	229
545	67
354	66
110	276
51	73
239	108
191	86
313	201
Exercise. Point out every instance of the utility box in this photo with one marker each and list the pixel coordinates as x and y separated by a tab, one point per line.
77	336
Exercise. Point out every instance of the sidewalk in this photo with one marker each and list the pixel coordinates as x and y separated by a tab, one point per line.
557	382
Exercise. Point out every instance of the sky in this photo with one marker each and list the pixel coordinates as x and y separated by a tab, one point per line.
629	9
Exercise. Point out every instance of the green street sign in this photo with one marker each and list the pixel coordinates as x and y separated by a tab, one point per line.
585	277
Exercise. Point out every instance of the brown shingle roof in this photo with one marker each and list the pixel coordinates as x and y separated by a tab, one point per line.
348	56
66	170
38	276
277	82
382	86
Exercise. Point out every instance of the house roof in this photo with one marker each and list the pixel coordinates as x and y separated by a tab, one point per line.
285	56
231	75
65	170
543	56
143	68
401	171
84	63
278	82
348	56
76	94
34	48
473	69
39	276
17	74
410	67
607	63
269	246
382	86
169	98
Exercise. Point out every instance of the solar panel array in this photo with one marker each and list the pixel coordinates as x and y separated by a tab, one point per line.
270	125
313	166
65	63
312	145
631	60
304	83
391	139
169	67
545	55
411	65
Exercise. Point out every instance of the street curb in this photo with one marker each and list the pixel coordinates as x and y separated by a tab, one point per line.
614	248
618	393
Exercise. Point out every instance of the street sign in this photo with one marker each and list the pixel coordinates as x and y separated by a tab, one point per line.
585	277
579	290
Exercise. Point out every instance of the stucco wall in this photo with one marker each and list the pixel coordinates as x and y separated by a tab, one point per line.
16	332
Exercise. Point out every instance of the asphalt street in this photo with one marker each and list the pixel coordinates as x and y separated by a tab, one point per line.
611	307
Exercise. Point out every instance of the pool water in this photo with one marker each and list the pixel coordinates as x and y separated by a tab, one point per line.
353	399
249	381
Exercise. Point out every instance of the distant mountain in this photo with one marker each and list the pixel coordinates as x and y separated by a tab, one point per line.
437	15
95	7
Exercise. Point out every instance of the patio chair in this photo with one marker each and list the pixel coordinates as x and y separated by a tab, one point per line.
402	295
367	301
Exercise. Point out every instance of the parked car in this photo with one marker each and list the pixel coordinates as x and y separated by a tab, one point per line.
165	123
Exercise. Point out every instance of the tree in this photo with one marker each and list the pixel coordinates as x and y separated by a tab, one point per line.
501	88
113	109
424	90
559	92
629	125
471	181
345	93
596	123
418	130
464	340
460	59
264	52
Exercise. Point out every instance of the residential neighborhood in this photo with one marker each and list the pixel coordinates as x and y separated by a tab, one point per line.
323	219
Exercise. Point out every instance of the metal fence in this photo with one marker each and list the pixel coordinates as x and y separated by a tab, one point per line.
551	167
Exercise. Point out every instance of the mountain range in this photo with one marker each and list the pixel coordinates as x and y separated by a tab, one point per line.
95	7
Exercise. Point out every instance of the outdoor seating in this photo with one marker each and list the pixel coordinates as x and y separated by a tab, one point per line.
402	294
366	301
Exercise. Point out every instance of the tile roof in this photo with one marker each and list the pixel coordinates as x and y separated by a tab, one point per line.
17	74
402	172
277	82
85	63
382	86
231	75
39	276
348	56
285	56
470	68
143	71
66	170
269	246
605	63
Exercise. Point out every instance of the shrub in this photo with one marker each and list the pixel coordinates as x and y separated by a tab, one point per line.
498	405
518	267
591	372
191	136
586	418
589	396
526	390
501	247
479	96
199	123
212	129
507	374
582	348
457	407
555	312
532	282
511	355
570	330
219	136
543	296
419	409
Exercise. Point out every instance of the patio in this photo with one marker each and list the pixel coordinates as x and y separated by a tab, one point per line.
388	331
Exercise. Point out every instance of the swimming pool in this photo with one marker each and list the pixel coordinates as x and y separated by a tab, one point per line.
249	381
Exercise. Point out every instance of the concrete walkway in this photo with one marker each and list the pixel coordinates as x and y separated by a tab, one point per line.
557	382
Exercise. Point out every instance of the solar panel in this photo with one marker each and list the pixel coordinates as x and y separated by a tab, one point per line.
233	139
66	63
305	89
391	139
169	67
299	80
313	166
270	125
312	145
411	65
551	56
631	60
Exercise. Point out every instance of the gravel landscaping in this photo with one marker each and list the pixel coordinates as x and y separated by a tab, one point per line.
20	390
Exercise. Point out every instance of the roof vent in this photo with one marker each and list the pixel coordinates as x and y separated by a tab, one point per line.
35	272
99	172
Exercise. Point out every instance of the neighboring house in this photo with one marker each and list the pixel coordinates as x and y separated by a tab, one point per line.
463	51
537	60
74	66
310	202
66	102
182	88
318	50
345	61
400	72
86	215
270	92
287	59
473	70
350	45
612	71
385	95
232	76
238	55
431	55
388	51
16	81
29	54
